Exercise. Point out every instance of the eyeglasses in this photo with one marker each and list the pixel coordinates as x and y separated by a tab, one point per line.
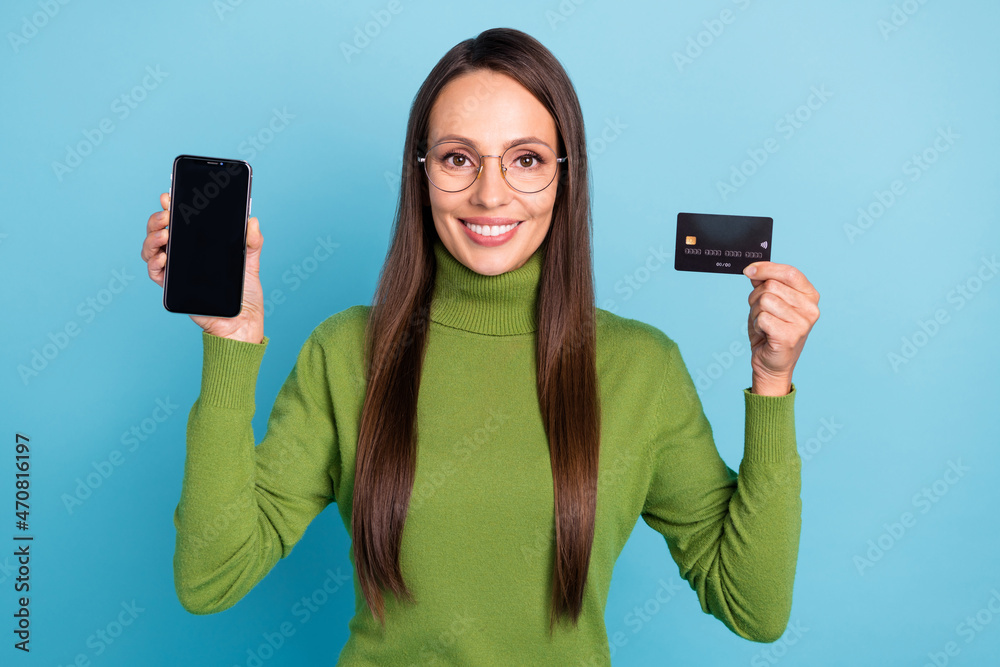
453	166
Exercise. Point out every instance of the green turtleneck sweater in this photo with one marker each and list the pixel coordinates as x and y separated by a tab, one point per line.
478	543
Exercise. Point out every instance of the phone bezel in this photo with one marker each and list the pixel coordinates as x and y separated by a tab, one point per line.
246	218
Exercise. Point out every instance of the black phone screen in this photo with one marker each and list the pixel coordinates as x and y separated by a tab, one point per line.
206	247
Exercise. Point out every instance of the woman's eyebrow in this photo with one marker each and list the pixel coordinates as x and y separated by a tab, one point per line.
512	142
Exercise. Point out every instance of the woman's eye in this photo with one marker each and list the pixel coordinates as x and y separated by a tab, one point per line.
527	161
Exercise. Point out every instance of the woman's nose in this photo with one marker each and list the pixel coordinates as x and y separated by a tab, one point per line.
490	186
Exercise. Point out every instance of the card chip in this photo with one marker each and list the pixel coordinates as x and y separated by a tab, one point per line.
690	240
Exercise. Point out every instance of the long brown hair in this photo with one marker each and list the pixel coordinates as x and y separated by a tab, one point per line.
566	339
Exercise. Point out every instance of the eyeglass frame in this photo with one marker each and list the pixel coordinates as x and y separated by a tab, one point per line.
482	163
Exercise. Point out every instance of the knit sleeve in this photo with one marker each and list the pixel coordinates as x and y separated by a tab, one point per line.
734	537
243	507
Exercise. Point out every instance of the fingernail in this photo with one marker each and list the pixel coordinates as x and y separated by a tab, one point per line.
750	271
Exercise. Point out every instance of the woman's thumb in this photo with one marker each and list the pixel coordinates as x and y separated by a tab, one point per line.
254	243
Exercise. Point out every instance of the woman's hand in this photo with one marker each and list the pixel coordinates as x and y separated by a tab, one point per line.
783	309
248	326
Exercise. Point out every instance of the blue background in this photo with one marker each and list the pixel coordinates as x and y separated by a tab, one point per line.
662	134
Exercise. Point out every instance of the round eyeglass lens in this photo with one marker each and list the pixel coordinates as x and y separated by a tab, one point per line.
453	166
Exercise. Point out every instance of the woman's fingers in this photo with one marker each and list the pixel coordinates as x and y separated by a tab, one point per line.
772	291
154	250
156	221
160	219
155	241
784	273
781	311
155	257
156	266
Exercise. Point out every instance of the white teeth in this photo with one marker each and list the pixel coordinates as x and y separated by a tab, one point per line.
490	230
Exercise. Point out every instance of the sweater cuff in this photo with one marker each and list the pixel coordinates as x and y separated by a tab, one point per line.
229	371
769	434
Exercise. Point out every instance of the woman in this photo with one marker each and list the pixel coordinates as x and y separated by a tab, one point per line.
489	436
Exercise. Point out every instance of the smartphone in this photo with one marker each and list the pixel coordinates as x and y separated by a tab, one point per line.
207	240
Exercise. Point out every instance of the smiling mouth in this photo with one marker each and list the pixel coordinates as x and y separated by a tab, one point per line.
490	230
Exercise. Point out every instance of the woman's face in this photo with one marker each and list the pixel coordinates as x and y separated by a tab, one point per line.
487	109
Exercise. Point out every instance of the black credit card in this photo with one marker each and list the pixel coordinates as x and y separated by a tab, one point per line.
721	243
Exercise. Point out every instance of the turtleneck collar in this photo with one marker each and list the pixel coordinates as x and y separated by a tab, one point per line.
502	305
